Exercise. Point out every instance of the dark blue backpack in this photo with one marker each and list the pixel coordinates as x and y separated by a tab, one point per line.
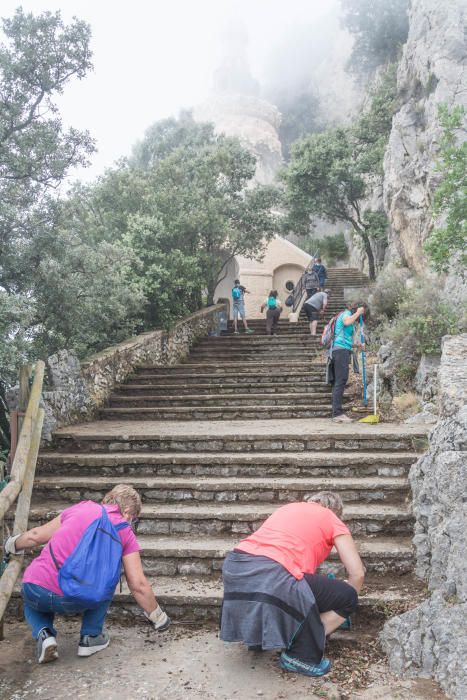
91	572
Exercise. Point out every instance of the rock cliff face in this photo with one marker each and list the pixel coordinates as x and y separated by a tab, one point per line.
255	122
433	70
431	639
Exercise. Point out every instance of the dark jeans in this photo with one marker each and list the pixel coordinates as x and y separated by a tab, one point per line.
40	606
341	361
330	594
272	317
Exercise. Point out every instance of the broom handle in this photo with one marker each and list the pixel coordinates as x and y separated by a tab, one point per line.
362	340
375	381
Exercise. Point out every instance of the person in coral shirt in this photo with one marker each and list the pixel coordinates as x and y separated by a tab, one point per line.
273	597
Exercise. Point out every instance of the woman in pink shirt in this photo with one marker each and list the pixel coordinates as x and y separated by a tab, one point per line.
42	595
273	597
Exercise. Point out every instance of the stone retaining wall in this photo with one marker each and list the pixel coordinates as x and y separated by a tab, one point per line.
431	639
75	391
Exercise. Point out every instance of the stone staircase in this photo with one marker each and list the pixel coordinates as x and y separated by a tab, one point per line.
206	483
239	376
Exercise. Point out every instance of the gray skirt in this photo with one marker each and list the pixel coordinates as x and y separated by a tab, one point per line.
264	605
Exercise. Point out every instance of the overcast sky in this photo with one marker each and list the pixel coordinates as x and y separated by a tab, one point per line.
154	57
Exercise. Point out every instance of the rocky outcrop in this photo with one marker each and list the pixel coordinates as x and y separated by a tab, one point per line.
254	122
433	70
431	639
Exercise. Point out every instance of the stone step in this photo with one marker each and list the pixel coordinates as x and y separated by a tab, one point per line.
311	378
233	389
241	519
233	464
236	368
288	435
266	340
238	400
269	355
255	411
178	489
180	556
198	599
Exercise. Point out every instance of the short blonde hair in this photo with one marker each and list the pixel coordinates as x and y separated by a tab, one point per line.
126	498
328	499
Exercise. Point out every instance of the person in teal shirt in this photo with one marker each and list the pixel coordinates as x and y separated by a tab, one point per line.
341	353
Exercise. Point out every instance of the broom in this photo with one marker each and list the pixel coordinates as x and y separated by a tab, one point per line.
373	418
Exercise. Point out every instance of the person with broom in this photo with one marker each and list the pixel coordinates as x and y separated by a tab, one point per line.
341	350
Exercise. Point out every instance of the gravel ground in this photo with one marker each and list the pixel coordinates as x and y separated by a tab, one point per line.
187	662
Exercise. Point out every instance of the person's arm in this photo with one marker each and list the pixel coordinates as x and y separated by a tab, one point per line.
350	320
142	592
349	556
35	537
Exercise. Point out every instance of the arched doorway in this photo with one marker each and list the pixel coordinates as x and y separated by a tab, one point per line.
285	278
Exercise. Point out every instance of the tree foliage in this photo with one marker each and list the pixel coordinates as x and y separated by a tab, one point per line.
447	245
299	112
331	173
379	27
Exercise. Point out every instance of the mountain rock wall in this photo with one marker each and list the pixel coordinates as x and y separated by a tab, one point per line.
432	70
431	639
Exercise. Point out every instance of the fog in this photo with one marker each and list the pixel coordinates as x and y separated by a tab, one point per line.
152	59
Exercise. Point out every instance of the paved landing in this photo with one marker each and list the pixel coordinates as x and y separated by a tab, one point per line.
283	428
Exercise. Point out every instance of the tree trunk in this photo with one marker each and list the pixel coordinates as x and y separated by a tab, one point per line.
368	250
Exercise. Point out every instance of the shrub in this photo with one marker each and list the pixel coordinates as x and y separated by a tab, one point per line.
332	249
424	316
388	292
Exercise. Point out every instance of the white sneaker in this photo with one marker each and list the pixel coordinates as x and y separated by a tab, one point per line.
46	646
342	419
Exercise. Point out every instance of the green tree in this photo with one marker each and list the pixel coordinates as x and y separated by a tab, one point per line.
330	174
447	245
198	214
299	113
379	27
39	57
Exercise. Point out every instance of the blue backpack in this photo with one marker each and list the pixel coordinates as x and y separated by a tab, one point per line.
91	572
236	293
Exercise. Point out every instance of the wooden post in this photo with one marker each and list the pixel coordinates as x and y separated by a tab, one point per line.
13	570
25	373
12	489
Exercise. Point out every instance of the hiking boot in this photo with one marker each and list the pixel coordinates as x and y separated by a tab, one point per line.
288	663
89	645
46	646
342	419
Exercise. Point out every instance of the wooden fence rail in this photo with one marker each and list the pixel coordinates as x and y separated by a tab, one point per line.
21	482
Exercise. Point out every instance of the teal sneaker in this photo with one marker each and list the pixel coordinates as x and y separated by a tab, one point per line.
288	663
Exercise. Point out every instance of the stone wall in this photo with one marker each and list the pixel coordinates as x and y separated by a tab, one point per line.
431	639
75	391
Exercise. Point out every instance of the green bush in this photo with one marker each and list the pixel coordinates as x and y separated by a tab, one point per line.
387	293
424	316
331	249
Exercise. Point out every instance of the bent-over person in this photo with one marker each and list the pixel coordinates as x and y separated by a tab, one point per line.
65	536
273	597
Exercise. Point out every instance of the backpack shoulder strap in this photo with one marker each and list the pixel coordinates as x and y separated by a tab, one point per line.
121	526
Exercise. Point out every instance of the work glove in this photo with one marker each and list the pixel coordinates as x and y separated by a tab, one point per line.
159	619
10	544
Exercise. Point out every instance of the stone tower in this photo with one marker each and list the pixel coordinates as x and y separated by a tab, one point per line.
236	110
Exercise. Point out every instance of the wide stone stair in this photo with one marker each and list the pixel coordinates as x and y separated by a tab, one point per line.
239	376
207	483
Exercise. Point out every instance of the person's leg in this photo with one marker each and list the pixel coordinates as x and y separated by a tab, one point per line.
335	599
275	320
269	321
37	610
340	359
235	317
92	622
